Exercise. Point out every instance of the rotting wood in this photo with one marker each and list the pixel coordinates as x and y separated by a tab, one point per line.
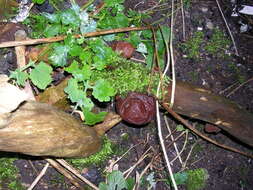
39	129
202	104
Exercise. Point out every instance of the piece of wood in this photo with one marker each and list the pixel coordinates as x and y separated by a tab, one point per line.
202	104
60	38
39	129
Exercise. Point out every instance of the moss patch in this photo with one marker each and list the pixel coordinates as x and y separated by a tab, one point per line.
9	174
97	158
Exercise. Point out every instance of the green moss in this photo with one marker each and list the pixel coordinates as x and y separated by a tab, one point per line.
218	43
128	76
9	174
97	158
193	45
192	179
196	179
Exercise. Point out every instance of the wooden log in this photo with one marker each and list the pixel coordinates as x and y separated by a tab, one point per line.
202	104
39	129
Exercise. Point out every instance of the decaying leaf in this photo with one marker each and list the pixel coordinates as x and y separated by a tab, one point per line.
10	95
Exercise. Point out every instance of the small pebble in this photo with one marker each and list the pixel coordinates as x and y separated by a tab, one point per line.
209	25
204	9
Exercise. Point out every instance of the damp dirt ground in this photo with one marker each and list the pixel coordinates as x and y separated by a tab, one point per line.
226	170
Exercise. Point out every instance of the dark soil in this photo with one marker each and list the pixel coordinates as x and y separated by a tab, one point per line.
227	170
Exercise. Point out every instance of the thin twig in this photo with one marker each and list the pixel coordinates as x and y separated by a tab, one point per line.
183	121
172	139
141	175
129	170
172	58
60	38
228	88
183	19
43	171
237	88
64	172
185	143
76	173
229	31
188	156
159	119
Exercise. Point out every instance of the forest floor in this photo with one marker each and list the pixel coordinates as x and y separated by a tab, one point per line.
197	61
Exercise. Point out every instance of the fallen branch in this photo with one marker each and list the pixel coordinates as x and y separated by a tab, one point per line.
37	179
60	38
183	121
64	172
202	104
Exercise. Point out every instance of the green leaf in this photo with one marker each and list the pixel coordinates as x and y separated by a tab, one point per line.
52	18
80	74
121	20
19	76
147	34
86	56
41	75
110	3
75	50
103	90
52	30
180	128
130	182
181	178
99	63
59	55
69	17
103	186
74	93
165	33
78	96
92	118
38	1
89	26
116	181
142	48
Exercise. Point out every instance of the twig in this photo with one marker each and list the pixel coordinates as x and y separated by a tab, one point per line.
228	88
76	173
36	171
129	170
172	139
185	142
158	115
188	156
60	38
64	172
43	171
112	164
229	31
172	58
141	175
183	121
237	88
183	19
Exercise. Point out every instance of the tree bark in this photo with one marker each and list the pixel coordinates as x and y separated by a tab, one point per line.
201	104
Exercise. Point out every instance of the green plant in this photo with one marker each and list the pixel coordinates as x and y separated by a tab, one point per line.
88	60
193	45
9	174
97	158
116	180
192	179
217	44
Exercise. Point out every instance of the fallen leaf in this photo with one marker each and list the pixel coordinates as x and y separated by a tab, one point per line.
10	95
